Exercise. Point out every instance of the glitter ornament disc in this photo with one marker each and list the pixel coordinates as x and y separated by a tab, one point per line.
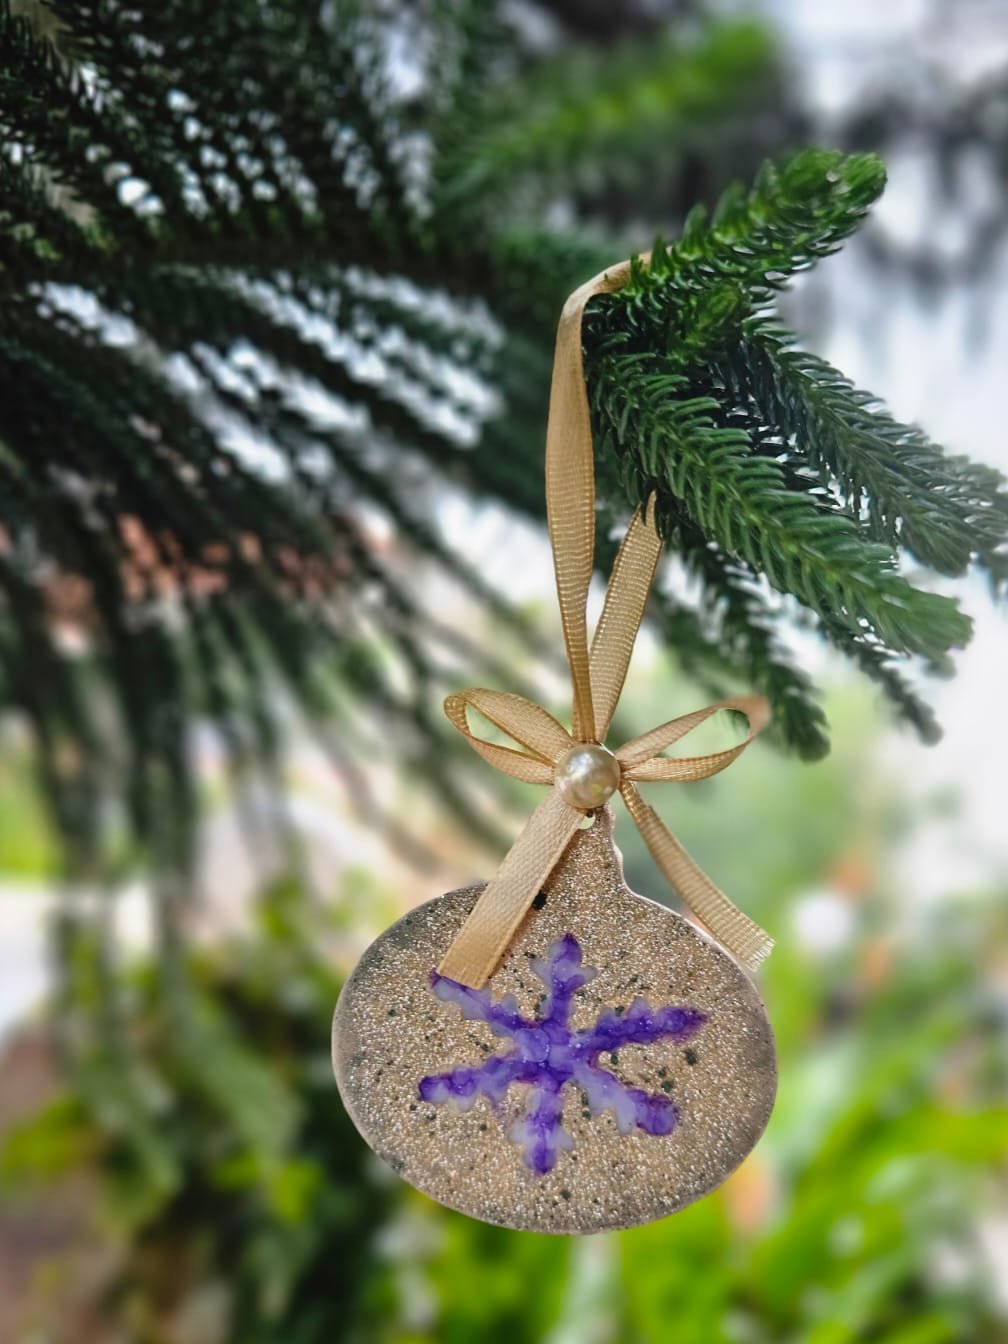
616	1067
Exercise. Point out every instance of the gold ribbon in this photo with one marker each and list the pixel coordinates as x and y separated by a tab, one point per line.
597	675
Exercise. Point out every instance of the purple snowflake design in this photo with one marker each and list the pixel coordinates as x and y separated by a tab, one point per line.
547	1054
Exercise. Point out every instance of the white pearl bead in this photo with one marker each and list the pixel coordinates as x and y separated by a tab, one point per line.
587	775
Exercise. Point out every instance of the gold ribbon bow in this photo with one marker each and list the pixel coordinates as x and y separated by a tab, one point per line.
597	676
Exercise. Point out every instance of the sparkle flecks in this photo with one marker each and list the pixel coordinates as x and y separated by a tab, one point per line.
389	1030
547	1054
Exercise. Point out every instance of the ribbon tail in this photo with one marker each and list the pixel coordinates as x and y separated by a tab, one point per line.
743	938
484	937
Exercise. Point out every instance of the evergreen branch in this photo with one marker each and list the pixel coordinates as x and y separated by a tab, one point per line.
375	309
794	214
733	638
745	628
878	664
225	163
947	511
741	501
216	311
301	255
292	429
55	112
748	632
774	460
690	298
574	112
38	240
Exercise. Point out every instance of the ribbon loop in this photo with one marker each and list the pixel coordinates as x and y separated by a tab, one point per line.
543	738
640	759
597	676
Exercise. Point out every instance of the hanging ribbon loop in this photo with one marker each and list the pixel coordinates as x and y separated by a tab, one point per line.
597	673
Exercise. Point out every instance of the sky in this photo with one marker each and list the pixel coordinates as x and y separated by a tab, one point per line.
938	362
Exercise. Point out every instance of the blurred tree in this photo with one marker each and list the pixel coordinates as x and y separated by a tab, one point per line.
272	270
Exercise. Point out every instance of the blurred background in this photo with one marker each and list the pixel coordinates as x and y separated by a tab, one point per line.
143	1198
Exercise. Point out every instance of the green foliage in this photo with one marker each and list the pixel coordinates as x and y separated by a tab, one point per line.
768	465
225	1135
588	113
264	277
228	1163
947	512
226	238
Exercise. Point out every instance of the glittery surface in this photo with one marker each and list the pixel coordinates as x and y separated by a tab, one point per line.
390	1031
545	1054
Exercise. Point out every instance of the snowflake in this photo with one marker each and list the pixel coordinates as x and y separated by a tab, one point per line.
548	1054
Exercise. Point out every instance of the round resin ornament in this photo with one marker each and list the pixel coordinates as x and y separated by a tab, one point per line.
550	1051
617	1066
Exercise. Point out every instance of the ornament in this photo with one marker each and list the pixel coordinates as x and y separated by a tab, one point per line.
616	1067
551	1051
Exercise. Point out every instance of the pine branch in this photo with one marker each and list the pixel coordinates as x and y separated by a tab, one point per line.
668	439
732	640
948	512
877	663
572	115
229	230
776	463
795	214
55	111
746	629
